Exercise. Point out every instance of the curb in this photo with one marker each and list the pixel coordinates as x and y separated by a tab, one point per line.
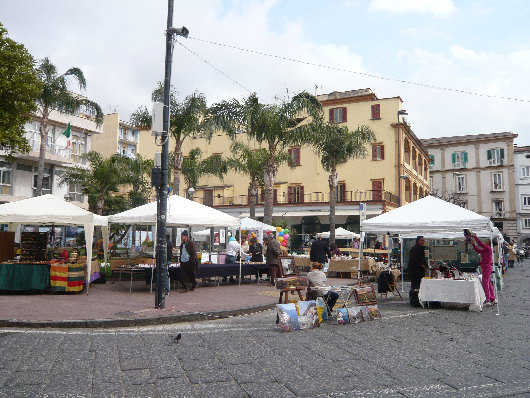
132	322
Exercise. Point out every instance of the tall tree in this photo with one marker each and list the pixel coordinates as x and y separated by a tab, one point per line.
194	167
101	182
19	88
185	119
336	144
274	125
251	162
55	95
137	176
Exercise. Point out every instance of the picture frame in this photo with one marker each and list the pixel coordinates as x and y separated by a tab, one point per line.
286	265
365	295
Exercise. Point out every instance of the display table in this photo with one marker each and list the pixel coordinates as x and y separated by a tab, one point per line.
20	276
453	291
302	263
351	265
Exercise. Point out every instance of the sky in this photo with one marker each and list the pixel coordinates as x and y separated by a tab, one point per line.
479	46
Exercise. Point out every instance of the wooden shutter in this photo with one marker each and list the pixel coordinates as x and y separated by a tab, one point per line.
289	194
502	153
301	194
331	119
488	154
344	115
374	152
453	158
376	111
465	158
431	159
298	150
382	152
275	196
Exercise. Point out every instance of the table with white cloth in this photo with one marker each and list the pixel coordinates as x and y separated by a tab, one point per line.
453	291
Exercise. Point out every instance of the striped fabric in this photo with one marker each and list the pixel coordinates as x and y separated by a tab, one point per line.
67	277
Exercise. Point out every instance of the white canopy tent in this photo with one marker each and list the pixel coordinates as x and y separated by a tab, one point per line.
340	233
249	223
51	210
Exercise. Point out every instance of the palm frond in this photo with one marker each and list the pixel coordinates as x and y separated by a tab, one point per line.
78	75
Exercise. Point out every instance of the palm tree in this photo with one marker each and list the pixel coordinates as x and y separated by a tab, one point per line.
185	119
275	126
56	96
193	167
137	175
100	181
251	162
336	144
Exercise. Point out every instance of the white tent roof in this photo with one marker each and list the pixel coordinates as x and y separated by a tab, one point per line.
180	211
249	223
340	233
44	210
427	215
456	235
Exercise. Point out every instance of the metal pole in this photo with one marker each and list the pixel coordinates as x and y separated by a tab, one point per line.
161	253
399	162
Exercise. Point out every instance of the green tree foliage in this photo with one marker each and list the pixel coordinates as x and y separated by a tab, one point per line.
19	88
194	167
274	125
336	144
185	119
55	95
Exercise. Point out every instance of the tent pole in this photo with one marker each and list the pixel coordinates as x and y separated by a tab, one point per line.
401	261
240	255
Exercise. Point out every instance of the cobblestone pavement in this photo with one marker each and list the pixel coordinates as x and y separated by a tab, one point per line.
409	353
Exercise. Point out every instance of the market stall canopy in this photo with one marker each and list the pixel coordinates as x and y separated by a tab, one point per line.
340	233
249	223
180	212
427	215
456	235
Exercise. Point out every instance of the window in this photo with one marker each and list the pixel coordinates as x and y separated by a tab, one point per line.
525	171
5	178
295	194
526	223
337	115
526	201
76	192
295	155
46	181
459	159
78	149
378	152
461	184
495	156
376	111
430	183
341	192
496	179
431	162
498	208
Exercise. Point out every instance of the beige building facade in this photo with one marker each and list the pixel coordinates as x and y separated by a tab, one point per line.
478	169
118	137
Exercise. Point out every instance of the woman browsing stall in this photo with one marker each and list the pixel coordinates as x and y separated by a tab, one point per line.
486	266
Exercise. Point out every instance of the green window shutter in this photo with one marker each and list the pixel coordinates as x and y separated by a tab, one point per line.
453	158
502	153
465	157
431	157
489	154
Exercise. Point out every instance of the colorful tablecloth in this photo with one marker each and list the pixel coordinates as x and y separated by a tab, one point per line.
67	277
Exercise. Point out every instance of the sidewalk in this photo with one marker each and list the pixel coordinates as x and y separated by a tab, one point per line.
112	305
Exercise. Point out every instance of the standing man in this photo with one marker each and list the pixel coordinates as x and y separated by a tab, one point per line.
319	252
188	262
272	253
416	269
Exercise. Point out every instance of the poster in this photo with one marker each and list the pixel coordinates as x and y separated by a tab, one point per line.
222	236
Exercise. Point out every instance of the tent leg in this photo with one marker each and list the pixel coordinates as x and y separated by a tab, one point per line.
401	261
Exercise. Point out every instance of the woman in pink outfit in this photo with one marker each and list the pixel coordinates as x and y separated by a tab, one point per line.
486	265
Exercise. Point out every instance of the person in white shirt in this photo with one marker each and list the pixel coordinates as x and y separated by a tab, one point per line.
318	287
232	249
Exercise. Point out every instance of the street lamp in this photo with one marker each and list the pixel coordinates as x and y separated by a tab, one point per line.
162	186
191	191
400	112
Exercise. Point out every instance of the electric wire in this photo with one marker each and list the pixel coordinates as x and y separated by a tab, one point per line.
371	75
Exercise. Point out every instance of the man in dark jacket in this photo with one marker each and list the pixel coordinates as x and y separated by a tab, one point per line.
272	253
188	262
319	252
417	263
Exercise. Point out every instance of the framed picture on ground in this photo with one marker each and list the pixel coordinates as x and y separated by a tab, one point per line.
365	295
286	264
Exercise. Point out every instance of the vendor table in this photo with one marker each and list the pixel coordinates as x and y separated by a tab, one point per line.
302	263
15	276
378	254
351	266
453	291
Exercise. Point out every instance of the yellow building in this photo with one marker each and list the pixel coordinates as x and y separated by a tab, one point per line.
302	194
118	137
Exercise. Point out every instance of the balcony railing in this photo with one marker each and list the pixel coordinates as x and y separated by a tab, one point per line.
308	198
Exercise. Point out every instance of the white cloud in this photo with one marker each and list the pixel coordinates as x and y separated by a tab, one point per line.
438	8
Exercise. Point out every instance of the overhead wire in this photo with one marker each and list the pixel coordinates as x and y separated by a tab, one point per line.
371	75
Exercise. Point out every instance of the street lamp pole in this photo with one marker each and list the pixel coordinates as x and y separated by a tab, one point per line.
400	112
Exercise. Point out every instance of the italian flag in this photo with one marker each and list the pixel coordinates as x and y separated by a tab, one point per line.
67	134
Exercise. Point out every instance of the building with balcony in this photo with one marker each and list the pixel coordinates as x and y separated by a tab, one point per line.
301	194
18	177
479	170
522	193
117	137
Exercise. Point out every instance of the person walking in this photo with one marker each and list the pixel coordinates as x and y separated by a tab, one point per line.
319	252
486	266
512	254
188	262
272	253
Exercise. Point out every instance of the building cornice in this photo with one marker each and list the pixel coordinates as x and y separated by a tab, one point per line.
469	139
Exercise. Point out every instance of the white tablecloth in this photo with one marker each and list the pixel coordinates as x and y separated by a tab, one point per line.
453	291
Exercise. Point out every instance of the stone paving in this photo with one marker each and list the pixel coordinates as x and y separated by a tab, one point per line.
411	352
